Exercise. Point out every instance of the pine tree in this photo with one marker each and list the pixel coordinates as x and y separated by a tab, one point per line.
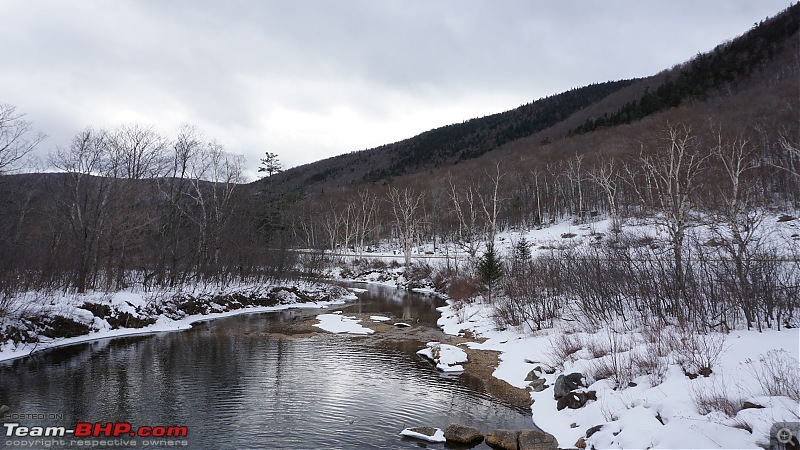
270	164
522	256
490	269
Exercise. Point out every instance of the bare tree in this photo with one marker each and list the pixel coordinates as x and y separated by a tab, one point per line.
492	204
405	206
17	138
466	210
86	199
137	152
673	174
739	216
606	175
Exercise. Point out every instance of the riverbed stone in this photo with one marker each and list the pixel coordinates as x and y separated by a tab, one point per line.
536	440
462	434
566	383
502	439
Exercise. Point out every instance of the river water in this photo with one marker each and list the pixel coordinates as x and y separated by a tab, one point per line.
236	385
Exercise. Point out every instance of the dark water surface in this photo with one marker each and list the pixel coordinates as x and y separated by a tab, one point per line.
235	386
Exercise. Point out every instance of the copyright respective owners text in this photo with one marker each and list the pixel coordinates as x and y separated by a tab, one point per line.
34	430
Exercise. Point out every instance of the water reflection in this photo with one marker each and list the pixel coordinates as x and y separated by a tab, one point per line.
235	386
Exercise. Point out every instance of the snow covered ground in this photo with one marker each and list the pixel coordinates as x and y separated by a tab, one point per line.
656	413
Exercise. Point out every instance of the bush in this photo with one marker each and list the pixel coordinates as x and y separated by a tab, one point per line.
777	373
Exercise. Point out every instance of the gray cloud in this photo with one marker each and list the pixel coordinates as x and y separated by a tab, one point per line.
311	78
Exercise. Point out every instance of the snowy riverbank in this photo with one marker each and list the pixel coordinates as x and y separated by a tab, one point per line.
664	408
642	385
42	321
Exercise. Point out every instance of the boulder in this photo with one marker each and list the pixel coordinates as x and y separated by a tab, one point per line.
593	430
581	443
538	385
502	439
536	440
461	434
575	399
566	383
532	375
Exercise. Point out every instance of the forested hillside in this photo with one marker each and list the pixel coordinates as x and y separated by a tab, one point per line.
134	207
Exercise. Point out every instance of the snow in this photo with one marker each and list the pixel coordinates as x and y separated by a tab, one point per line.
438	436
379	318
630	413
656	413
338	323
446	357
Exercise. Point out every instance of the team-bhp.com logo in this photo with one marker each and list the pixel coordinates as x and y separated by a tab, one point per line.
91	435
86	429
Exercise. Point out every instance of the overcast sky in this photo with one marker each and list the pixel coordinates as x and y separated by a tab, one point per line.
311	79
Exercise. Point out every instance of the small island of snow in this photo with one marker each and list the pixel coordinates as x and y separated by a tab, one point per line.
337	323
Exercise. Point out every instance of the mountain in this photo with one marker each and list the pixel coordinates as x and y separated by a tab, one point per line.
768	50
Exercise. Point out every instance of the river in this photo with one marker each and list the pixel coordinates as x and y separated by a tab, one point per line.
234	383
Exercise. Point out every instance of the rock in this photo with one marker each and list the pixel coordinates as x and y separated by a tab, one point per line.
566	383
502	439
538	385
402	325
536	440
581	443
593	430
632	384
461	434
532	375
575	399
751	405
573	425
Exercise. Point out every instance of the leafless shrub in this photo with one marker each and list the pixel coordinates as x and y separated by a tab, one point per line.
700	350
650	364
716	397
562	347
597	349
777	373
617	365
463	288
601	369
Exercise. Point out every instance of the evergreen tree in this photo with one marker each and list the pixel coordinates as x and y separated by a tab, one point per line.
270	164
522	256
490	269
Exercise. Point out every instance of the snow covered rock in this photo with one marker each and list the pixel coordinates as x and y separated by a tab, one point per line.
429	434
445	357
566	383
